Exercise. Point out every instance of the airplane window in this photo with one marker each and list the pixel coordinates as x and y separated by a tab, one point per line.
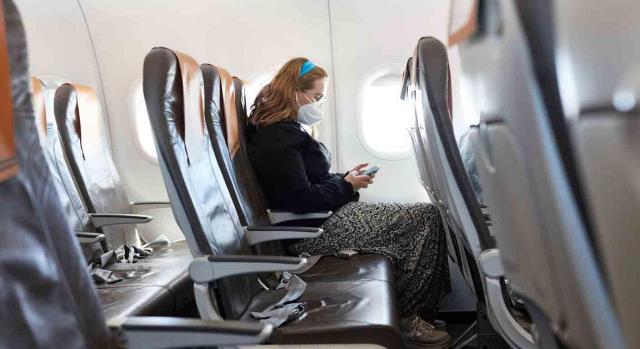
142	126
384	117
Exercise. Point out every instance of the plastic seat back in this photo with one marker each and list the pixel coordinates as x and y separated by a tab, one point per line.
537	216
600	86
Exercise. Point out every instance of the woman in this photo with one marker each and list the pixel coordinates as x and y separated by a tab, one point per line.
293	169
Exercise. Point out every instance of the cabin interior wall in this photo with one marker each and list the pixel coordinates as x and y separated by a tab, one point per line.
368	35
250	38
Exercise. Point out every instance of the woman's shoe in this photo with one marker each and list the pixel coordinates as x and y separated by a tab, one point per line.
418	333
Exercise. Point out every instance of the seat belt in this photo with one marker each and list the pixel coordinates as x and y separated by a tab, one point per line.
286	308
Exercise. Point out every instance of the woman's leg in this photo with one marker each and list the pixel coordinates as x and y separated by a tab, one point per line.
411	235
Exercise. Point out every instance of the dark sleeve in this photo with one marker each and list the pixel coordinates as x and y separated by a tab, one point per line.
288	187
336	175
305	196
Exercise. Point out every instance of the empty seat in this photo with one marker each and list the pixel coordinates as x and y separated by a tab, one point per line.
47	299
156	285
85	143
528	175
72	203
353	311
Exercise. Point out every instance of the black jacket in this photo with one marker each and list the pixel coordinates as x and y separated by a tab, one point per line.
293	169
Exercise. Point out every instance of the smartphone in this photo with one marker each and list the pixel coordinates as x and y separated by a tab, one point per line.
371	171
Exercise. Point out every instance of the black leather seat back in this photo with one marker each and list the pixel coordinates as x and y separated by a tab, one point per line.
46	298
433	105
435	80
70	198
242	163
227	120
422	156
85	143
72	203
200	200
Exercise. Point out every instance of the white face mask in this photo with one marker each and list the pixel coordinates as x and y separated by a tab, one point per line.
311	113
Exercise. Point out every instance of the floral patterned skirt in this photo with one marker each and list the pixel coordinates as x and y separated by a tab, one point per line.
411	235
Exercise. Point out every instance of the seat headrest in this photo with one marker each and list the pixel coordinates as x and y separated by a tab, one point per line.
8	151
431	58
82	109
230	111
193	98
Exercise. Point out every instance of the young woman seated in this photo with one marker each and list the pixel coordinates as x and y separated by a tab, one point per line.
293	169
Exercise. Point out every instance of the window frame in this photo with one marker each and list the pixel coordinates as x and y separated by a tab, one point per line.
374	74
136	91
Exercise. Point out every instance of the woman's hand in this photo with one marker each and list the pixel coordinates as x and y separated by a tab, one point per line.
357	180
358	168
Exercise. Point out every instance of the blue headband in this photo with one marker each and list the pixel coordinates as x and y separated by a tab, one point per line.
306	67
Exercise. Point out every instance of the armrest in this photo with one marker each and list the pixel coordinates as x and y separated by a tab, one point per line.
279	216
139	206
211	268
89	238
256	235
103	219
171	332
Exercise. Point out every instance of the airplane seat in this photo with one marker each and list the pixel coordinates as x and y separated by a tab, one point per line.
423	159
463	211
602	79
432	59
47	298
245	189
76	212
541	228
84	137
466	242
155	285
361	311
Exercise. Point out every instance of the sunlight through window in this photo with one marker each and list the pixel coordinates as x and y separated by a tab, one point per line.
385	118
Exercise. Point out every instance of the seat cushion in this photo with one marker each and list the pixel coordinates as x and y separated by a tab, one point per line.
156	285
359	267
355	311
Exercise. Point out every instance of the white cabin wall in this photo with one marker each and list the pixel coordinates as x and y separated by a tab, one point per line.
58	42
249	38
368	34
246	37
